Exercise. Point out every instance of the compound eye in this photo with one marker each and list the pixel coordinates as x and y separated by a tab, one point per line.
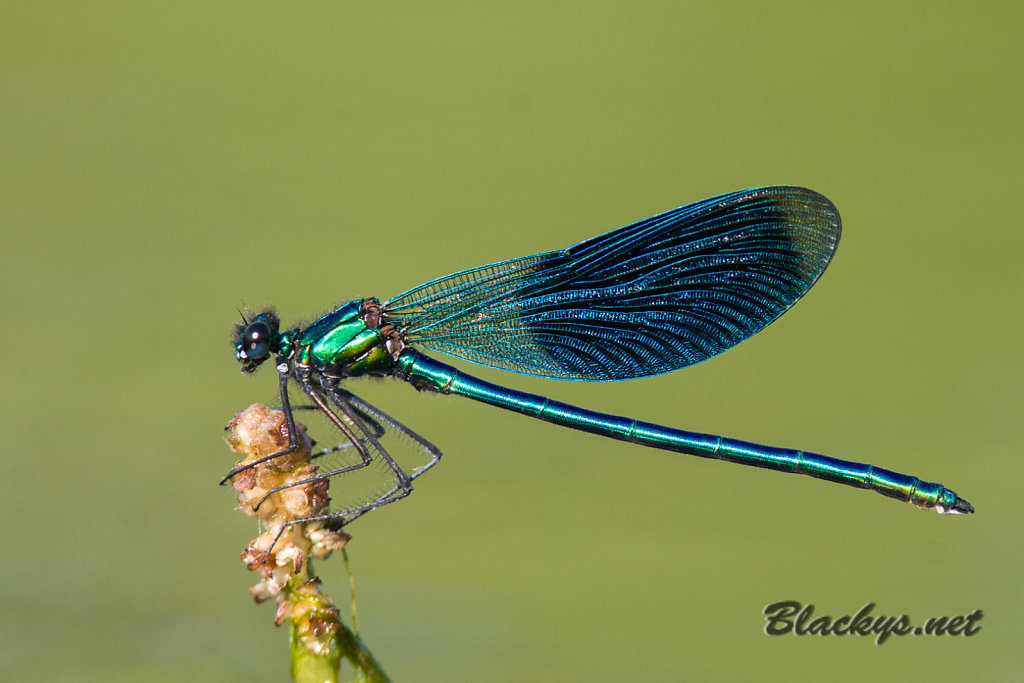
256	340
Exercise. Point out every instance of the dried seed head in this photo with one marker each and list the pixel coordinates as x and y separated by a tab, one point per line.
281	555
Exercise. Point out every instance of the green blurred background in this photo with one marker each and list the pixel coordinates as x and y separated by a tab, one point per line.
160	163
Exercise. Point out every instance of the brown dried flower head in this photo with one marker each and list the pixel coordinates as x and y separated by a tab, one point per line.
282	552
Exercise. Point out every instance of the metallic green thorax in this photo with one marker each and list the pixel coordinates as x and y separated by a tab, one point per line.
347	342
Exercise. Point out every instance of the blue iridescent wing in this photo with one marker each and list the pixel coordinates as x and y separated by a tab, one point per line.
648	298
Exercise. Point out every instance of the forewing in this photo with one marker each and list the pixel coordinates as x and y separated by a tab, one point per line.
647	298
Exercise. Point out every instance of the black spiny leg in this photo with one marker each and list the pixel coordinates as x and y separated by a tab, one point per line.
368	419
367	409
343	425
293	441
351	406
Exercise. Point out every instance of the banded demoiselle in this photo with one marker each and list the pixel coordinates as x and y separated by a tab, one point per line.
642	300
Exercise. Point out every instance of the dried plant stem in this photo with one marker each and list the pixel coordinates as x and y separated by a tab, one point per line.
283	555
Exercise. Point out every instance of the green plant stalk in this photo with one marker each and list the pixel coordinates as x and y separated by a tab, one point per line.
319	640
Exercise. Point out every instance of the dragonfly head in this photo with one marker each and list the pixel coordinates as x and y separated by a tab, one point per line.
256	339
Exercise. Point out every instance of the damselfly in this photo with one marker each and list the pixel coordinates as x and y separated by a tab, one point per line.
648	298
